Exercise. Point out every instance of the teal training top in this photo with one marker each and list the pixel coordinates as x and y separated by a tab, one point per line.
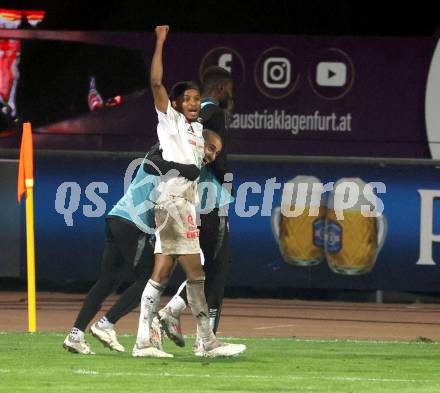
137	204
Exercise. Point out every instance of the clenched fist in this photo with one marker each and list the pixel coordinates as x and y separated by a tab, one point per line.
161	32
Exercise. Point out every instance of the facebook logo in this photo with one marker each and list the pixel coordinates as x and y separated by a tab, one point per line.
225	61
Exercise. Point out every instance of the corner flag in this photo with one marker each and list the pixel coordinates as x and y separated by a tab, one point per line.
26	185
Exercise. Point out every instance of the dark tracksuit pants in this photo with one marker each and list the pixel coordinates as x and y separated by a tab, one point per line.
127	250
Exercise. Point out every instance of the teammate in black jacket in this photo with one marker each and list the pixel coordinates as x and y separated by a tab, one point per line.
217	93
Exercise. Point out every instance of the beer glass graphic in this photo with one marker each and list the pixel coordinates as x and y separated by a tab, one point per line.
352	238
301	238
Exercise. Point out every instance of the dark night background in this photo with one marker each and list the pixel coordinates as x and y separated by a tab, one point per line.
337	17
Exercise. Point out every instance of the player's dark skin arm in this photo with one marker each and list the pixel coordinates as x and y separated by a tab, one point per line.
190	172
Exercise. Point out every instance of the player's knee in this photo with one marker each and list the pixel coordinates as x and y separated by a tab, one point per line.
195	273
161	276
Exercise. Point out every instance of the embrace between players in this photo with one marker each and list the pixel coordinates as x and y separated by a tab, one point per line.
198	153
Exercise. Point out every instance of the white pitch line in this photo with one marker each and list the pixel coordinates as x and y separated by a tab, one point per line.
273	327
87	372
366	341
265	377
369	379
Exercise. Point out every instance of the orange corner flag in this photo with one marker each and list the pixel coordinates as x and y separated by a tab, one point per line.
26	184
26	163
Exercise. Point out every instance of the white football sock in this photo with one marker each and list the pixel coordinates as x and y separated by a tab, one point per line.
195	291
76	334
176	306
104	323
149	304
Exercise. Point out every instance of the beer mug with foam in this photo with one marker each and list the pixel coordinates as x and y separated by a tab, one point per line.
298	225
353	238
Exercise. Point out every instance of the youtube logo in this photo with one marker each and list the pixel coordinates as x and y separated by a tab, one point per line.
331	74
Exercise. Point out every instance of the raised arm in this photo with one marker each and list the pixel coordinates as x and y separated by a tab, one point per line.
156	72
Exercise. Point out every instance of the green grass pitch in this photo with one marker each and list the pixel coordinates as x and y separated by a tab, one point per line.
38	363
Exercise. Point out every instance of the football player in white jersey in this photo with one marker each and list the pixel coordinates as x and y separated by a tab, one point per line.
177	236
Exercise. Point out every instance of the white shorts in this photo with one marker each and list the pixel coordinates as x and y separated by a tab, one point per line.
177	232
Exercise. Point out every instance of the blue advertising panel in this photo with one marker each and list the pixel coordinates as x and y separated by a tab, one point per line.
407	261
73	195
10	244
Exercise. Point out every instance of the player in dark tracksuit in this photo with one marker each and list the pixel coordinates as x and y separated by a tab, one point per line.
214	230
128	247
217	93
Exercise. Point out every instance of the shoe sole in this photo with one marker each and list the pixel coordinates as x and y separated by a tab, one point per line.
151	355
105	343
154	340
73	350
208	355
180	342
222	355
70	349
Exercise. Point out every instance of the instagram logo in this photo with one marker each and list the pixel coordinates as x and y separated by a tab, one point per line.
276	72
